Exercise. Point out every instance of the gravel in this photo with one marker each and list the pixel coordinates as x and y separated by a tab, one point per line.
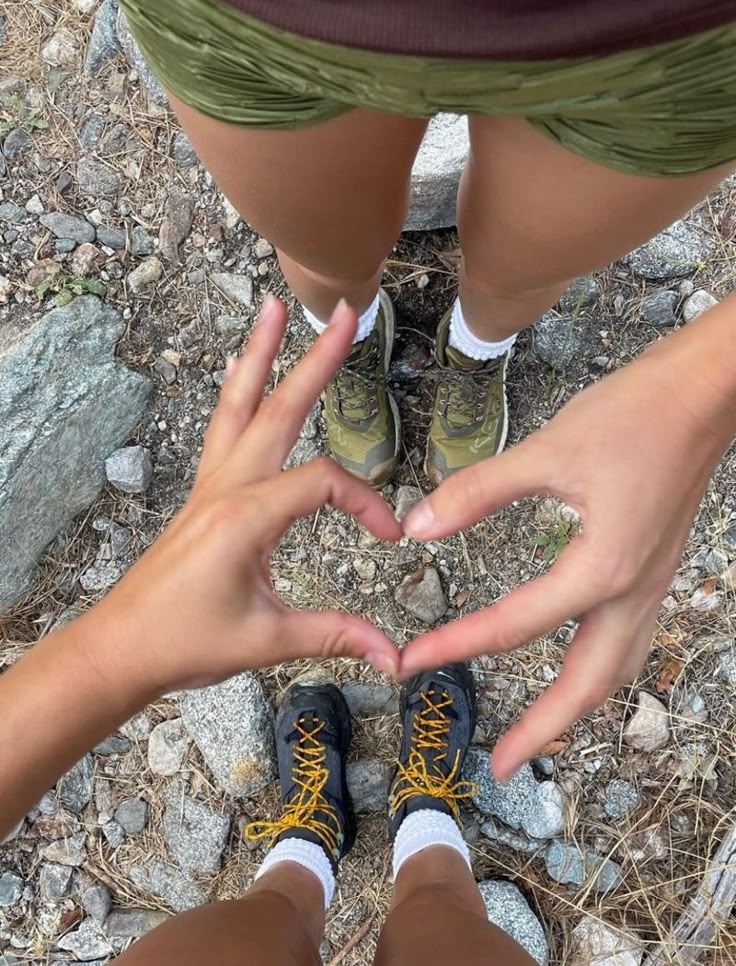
649	728
699	302
87	942
61	50
67	851
17	143
678	250
595	944
132	815
54	880
114	834
422	596
11	889
167	747
167	883
184	154
195	835
176	224
96	901
68	226
74	789
571	865
582	294
508	909
558	339
98	179
129	469
103	42
368	783
406	497
621	798
659	308
111	237
145	275
238	288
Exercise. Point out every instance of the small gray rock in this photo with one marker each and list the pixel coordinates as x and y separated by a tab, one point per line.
595	944
621	798
232	725
195	835
92	130
547	816
103	42
582	294
55	880
101	574
648	728
166	370
113	745
230	327
659	308
11	889
67	851
145	275
13	213
184	154
129	469
97	179
111	237
508	909
238	288
422	596
366	700
68	227
176	224
570	865
114	833
141	242
61	49
558	339
406	497
138	62
263	248
75	787
87	942
678	250
17	143
133	923
497	831
699	302
368	783
96	901
132	815
166	882
167	746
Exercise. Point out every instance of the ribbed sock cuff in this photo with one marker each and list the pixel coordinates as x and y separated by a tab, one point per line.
424	828
366	321
309	856
465	341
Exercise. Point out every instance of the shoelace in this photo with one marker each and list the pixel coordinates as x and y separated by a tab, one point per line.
356	384
430	731
464	395
310	776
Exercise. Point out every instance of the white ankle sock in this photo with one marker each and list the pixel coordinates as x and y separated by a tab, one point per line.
366	321
309	856
424	828
465	341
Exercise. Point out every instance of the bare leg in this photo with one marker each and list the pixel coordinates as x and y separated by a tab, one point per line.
438	916
532	216
278	922
331	197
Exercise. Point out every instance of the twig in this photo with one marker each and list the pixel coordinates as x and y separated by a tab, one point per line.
353	941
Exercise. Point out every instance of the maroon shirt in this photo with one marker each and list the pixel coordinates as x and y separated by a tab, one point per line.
501	29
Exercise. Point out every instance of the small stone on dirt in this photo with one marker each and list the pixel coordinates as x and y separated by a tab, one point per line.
167	747
558	339
62	49
101	574
133	923
96	901
166	882
166	370
11	889
176	224
132	815
145	275
406	497
85	259
238	288
507	908
75	787
195	835
422	596
621	798
582	294
141	242
699	302
17	143
184	154
111	237
114	834
595	944
68	226
571	865
87	942
263	248
129	469
67	851
366	700
659	308
368	783
97	179
55	880
103	42
649	728
365	568
678	250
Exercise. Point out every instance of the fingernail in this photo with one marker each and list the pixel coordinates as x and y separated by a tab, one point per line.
339	308
382	662
230	366
420	522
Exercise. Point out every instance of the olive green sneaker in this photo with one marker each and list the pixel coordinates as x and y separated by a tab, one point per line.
363	425
470	418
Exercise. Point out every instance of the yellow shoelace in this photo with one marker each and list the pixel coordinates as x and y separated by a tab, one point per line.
310	775
429	731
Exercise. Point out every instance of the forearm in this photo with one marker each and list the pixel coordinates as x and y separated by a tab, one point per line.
55	704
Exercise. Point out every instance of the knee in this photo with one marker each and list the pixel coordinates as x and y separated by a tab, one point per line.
496	280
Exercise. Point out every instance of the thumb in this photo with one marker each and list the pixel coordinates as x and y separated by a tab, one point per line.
328	634
473	493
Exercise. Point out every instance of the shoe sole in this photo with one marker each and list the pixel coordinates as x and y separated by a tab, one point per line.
435	475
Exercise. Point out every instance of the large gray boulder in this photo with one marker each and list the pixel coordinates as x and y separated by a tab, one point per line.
436	173
65	404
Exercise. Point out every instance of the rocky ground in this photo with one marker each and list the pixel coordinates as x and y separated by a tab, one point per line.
109	225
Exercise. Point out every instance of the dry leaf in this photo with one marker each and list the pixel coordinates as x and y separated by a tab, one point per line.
710	585
555	747
461	598
668	674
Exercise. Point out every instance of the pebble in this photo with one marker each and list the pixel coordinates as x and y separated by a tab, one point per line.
62	49
132	815
582	294
659	309
167	747
700	301
507	908
176	224
92	130
595	944
111	237
6	287
74	789
263	248
141	242
230	326
12	213
68	226
406	497
96	178
166	882
67	851
714	562
133	923
366	700
85	259
87	942
621	798
194	834
55	880
558	339
497	831
183	151
85	6
422	596
101	574
114	834
648	728
368	783
103	42
17	143
238	288
365	568
570	865
704	602
166	370
678	250
232	725
96	901
11	889
145	275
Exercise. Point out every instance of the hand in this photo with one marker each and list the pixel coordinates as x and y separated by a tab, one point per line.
199	605
633	455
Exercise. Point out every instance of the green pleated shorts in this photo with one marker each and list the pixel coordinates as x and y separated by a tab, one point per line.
667	109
